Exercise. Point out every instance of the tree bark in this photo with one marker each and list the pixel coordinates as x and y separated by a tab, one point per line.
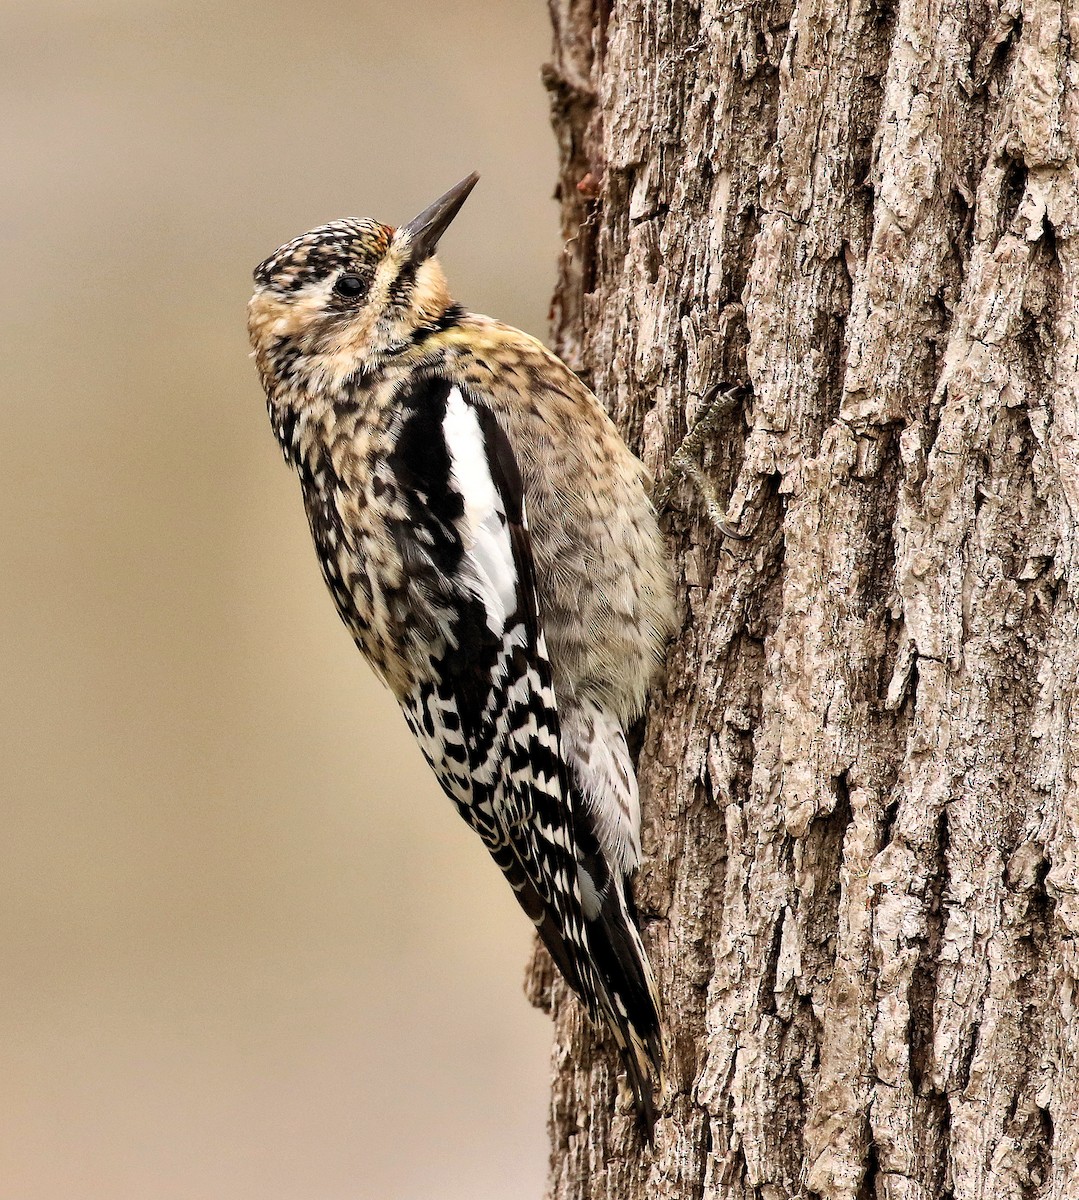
861	888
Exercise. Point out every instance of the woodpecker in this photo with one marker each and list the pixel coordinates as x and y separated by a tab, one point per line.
488	540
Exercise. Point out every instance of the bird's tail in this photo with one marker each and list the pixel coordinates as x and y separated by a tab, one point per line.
626	998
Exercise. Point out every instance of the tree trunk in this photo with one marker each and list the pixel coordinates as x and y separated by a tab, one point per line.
861	887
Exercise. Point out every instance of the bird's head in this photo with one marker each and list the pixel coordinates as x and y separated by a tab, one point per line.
349	295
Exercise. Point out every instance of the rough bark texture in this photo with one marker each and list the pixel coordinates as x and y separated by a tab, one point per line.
861	892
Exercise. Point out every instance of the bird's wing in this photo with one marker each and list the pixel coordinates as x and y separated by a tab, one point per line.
487	721
487	718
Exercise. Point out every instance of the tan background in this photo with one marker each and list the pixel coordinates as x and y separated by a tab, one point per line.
246	949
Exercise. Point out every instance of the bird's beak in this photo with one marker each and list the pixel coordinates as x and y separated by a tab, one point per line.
425	230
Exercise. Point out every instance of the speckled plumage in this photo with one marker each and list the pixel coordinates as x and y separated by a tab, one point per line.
488	540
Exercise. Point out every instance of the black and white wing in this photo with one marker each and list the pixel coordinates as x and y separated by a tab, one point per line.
486	714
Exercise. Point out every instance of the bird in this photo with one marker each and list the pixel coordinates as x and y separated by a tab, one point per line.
489	542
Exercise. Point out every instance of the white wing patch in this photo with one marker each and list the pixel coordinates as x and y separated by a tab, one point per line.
484	529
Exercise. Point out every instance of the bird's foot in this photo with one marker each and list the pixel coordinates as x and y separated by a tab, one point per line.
685	462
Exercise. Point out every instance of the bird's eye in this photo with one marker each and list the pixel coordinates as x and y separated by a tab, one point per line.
351	287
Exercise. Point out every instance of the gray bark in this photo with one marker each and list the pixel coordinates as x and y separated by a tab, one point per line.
861	893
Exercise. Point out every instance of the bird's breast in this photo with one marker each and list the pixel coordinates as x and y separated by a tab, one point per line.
378	548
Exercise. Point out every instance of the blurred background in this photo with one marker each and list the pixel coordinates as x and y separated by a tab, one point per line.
246	947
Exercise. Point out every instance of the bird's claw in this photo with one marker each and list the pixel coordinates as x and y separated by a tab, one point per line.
685	462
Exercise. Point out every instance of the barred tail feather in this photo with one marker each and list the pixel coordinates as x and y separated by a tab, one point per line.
628	999
550	930
607	820
605	964
625	995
